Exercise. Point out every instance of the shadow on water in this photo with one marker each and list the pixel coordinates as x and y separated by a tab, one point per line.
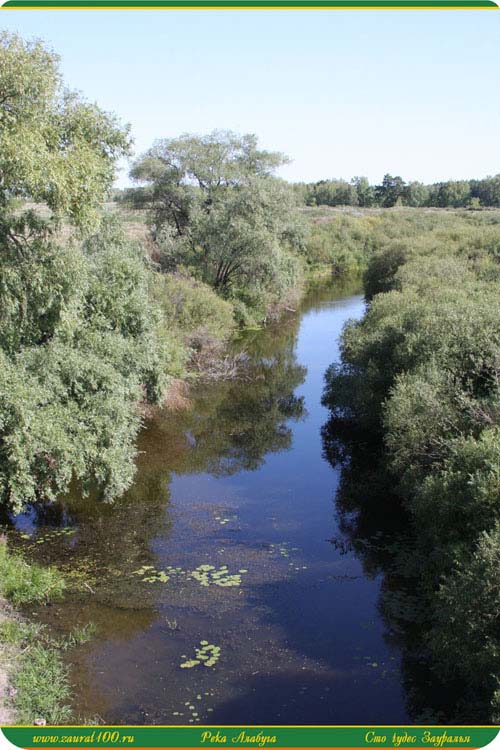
226	538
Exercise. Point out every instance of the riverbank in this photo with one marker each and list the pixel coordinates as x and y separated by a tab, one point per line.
33	679
212	340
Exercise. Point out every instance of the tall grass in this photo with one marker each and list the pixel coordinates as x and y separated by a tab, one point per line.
39	679
22	583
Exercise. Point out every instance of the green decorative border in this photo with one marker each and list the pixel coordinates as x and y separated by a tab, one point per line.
262	737
282	737
261	4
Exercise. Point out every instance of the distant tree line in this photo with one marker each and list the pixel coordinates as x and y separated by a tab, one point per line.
394	191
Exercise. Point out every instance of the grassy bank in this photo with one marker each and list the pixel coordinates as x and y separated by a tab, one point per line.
34	683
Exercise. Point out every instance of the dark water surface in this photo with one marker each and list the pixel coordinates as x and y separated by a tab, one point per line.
286	621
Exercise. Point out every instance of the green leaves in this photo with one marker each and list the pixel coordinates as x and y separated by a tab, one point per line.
41	283
149	574
79	351
55	148
79	344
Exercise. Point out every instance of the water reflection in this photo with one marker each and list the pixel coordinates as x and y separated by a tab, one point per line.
237	482
234	424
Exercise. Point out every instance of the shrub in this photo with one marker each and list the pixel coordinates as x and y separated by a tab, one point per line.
192	310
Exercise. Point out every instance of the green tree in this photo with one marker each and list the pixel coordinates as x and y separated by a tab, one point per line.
416	194
487	191
365	192
390	191
335	193
55	147
79	343
217	210
454	194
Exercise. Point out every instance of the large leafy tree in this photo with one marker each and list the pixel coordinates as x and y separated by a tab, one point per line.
78	343
364	191
218	210
453	194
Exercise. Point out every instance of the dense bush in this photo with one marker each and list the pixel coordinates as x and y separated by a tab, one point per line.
343	242
421	370
379	242
465	637
194	315
69	389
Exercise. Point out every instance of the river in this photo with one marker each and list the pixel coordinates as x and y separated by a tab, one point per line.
217	585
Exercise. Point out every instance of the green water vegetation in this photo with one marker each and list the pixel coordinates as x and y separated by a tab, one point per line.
150	575
205	575
207	654
420	375
209	575
193	707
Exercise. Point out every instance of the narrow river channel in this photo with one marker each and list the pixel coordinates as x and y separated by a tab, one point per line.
217	593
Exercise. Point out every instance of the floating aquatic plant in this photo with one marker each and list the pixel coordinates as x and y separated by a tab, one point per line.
151	575
47	536
208	655
208	575
205	575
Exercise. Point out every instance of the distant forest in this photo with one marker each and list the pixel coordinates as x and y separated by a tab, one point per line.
394	191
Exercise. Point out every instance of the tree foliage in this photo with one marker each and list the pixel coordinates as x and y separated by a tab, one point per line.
55	147
78	334
394	191
217	211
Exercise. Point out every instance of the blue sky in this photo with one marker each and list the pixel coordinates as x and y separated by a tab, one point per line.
343	93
